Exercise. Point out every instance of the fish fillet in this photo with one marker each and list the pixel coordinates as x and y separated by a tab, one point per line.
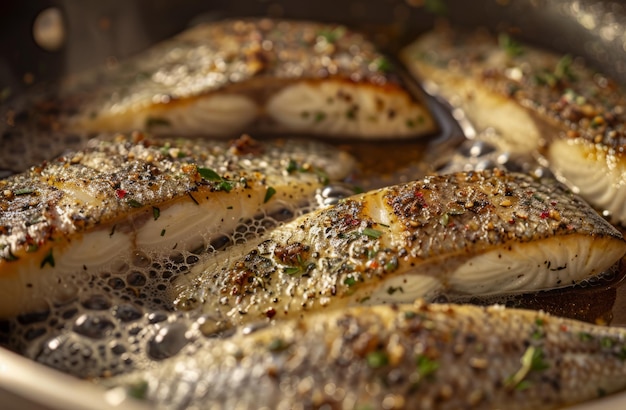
222	78
125	197
536	101
476	233
416	356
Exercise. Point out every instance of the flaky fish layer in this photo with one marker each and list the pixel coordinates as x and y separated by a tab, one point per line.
533	98
138	195
472	233
399	357
223	78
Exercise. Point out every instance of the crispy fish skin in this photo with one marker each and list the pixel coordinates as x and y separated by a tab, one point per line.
136	194
536	100
471	233
420	356
224	78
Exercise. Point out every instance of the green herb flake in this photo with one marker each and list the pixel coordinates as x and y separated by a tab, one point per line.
23	191
277	345
393	289
510	45
209	174
5	93
606	342
162	232
292	270
225	186
537	362
372	233
436	7
426	367
292	166
532	360
409	314
269	194
392	264
383	65
33	247
157	122
156	213
563	69
445	219
322	176
350	281
48	260
377	359
138	390
319	116
523	385
365	299
585	337
332	35
133	203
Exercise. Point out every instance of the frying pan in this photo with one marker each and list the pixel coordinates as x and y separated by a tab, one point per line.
93	33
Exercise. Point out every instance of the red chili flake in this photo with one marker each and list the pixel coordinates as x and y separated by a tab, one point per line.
420	199
553	203
270	313
512	221
563	328
544	214
120	193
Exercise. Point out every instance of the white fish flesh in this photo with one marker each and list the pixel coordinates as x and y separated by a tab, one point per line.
224	78
125	197
476	233
536	101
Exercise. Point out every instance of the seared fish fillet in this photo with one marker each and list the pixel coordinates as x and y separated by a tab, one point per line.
395	357
135	196
475	233
222	78
534	98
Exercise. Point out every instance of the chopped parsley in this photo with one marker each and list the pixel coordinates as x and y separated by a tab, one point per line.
277	345
320	116
509	45
426	367
377	359
157	122
436	7
134	203
138	390
372	233
24	191
393	289
209	174
269	194
222	183
156	213
48	260
532	360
